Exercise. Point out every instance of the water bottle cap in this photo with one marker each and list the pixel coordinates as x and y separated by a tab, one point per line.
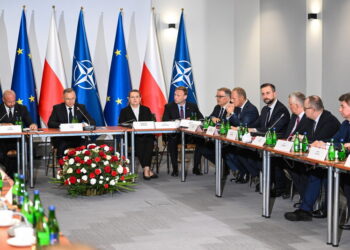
21	176
52	207
36	191
341	140
305	133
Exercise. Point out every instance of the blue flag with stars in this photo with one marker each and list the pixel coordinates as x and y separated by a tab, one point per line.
23	81
83	75
182	67
119	84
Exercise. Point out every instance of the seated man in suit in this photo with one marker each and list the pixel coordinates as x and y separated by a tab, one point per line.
10	112
239	112
64	113
324	127
144	144
298	123
223	97
180	109
273	115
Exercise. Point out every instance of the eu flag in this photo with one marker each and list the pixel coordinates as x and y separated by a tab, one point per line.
182	67
83	75
119	83
23	82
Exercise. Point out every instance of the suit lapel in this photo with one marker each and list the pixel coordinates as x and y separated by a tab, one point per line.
65	115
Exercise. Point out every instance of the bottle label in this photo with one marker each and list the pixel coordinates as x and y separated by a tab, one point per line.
54	238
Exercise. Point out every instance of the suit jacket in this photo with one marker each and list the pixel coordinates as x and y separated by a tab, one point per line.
171	111
59	115
277	112
305	125
127	115
216	112
326	127
343	132
248	115
19	111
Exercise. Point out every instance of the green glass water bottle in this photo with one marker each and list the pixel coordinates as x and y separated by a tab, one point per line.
75	119
222	130
342	152
42	231
296	143
268	137
27	208
15	189
37	206
240	132
211	123
274	137
1	184
228	126
305	143
53	226
331	151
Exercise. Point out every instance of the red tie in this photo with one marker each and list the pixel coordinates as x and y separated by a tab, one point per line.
295	126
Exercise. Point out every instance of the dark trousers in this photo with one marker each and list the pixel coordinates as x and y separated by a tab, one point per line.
144	145
251	161
62	143
299	175
345	182
9	162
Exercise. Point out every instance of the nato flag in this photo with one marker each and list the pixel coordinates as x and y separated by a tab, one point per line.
119	83
182	68
83	75
23	82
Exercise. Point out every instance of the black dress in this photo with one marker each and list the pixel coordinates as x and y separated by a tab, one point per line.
144	144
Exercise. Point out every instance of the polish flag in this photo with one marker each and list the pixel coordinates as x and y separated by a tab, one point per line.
54	80
152	86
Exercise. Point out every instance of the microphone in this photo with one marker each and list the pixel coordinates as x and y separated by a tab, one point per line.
90	127
127	123
274	124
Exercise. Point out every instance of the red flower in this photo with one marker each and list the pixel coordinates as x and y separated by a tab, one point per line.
92	146
87	153
66	182
65	158
78	171
92	175
72	152
107	169
72	179
88	162
122	178
82	147
123	158
106	186
114	173
77	159
111	149
98	171
114	158
61	162
97	159
125	171
101	153
103	145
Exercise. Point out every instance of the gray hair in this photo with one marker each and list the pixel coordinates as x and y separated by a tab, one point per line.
315	102
297	97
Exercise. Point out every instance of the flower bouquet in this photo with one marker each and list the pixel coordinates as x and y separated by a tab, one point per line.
94	170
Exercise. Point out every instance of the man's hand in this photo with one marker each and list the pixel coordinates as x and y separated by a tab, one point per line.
215	119
318	144
6	124
347	145
252	130
230	108
33	126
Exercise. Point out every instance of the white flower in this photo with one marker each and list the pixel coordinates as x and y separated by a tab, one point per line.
78	164
100	182
78	180
106	148
66	151
107	179
93	181
83	170
108	157
83	152
117	178
86	158
93	165
105	163
127	169
71	161
58	177
69	170
101	177
77	152
117	154
84	177
112	183
124	181
127	161
96	149
120	169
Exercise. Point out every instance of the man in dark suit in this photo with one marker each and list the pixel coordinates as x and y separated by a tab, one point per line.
180	109
273	115
10	112
301	124
67	112
240	112
324	127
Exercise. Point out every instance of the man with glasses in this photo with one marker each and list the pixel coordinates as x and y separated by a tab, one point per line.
325	125
68	112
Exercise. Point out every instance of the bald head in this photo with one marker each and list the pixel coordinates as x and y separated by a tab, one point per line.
9	98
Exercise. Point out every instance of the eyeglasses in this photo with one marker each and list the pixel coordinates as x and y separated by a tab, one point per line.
305	108
220	96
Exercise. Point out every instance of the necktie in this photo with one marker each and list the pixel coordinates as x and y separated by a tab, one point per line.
221	112
295	126
238	112
182	113
70	115
10	114
267	117
313	130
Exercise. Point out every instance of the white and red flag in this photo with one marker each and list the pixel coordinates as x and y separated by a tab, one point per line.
152	85
54	79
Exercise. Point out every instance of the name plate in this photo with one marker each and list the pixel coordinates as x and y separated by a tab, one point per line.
317	153
67	127
284	146
211	131
143	125
10	129
347	162
259	141
169	125
194	127
232	134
